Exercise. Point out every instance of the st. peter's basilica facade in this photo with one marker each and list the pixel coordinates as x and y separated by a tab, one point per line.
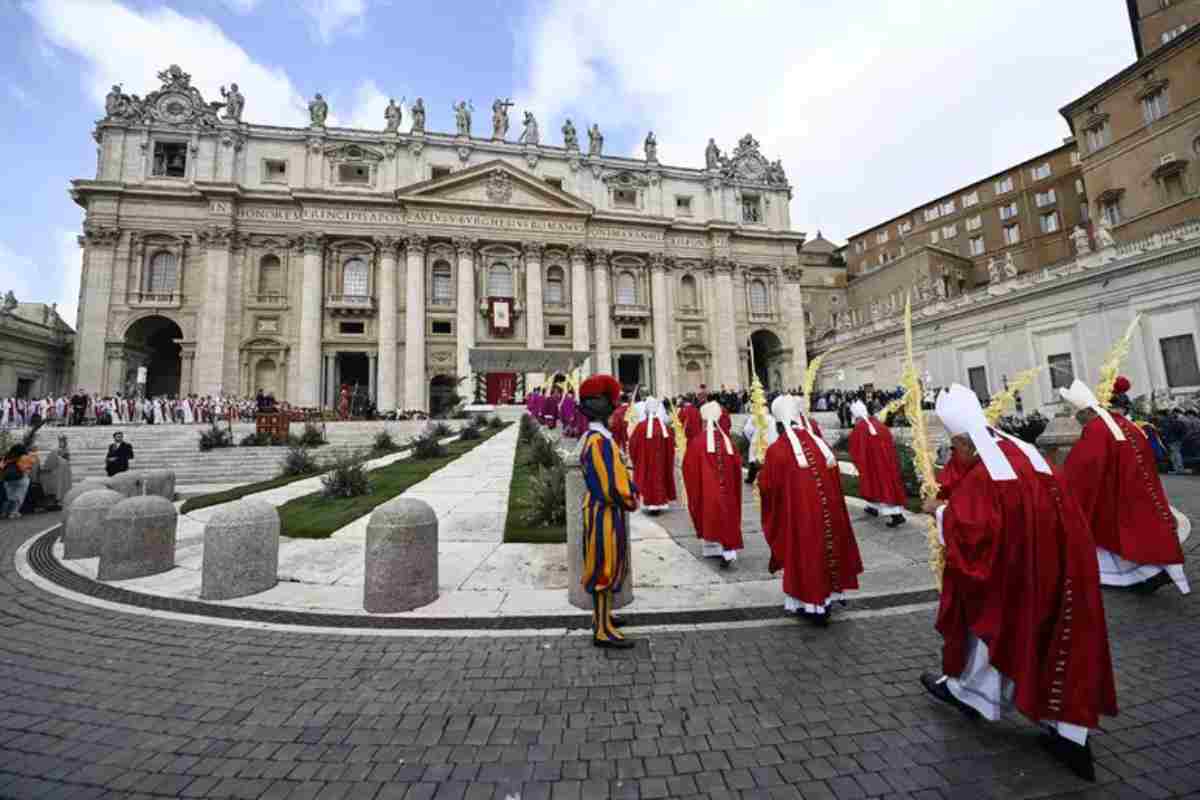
223	257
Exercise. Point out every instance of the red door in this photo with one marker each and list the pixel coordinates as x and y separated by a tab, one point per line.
501	387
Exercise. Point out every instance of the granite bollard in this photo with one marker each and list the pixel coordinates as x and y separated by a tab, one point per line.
401	557
85	527
576	594
241	550
139	540
86	485
131	483
160	482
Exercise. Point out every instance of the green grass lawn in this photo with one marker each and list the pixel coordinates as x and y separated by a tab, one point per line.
316	516
515	530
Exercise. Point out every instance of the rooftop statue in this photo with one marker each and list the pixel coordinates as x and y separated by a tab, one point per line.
234	102
318	110
418	116
500	108
530	135
570	138
392	116
462	116
595	140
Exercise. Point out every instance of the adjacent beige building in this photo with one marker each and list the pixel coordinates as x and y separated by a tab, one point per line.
35	349
225	256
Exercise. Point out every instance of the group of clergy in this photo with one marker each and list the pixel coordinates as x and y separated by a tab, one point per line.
1026	545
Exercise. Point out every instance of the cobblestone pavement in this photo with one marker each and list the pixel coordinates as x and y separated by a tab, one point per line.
101	704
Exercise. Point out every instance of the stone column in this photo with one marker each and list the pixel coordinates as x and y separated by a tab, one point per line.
371	378
603	362
535	335
328	383
793	312
210	344
661	323
117	361
466	317
389	314
580	339
415	389
187	369
307	393
726	333
95	294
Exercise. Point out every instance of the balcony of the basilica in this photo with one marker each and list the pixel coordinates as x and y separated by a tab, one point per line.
630	312
155	299
350	305
265	300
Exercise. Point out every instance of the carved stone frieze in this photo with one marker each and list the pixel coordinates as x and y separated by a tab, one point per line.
465	246
100	235
533	251
352	152
416	243
216	236
388	243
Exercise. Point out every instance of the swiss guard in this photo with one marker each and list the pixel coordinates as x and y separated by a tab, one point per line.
610	496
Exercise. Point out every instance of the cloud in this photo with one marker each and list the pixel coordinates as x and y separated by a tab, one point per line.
874	106
122	45
241	6
331	17
31	280
70	259
20	95
366	108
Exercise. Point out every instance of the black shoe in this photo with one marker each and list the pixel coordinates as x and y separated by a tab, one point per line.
896	521
726	563
874	512
941	691
1076	757
819	619
1151	585
614	644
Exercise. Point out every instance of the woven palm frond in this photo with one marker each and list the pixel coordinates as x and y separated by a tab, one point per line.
1007	399
1112	363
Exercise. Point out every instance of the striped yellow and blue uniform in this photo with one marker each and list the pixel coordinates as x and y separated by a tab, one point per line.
609	497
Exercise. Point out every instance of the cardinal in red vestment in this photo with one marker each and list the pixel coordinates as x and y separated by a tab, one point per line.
874	454
1112	473
617	425
1021	617
652	450
712	476
689	417
804	518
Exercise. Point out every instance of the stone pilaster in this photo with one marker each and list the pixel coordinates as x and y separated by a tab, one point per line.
603	350
307	394
793	312
389	316
726	332
416	391
117	361
187	369
535	334
466	317
661	325
95	294
580	338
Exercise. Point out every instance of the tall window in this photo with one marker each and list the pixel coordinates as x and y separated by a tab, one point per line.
975	223
270	275
1154	106
500	281
971	199
1012	234
555	278
1009	210
354	277
1004	185
977	377
1045	198
1062	371
626	289
1179	360
758	298
1040	171
170	160
1099	136
1049	222
881	236
1110	210
688	293
441	283
163	273
976	245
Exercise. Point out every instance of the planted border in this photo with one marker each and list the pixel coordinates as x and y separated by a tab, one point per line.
517	531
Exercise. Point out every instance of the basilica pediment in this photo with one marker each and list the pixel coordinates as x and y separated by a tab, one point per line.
494	184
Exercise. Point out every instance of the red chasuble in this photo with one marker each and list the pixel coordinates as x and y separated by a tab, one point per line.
949	475
653	463
805	522
689	416
1118	488
1021	574
617	425
713	482
878	467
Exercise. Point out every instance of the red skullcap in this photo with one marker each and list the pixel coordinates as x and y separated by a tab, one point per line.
601	385
1121	385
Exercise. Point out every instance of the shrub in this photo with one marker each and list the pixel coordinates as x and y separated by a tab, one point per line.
313	436
545	502
256	440
495	423
470	433
298	461
427	446
441	430
460	412
346	477
908	469
215	437
542	453
384	443
528	429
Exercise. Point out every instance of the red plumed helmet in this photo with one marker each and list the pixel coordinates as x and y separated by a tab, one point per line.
601	386
1121	385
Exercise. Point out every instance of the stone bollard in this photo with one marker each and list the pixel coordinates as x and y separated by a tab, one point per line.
86	485
401	557
160	482
576	594
85	527
140	539
241	550
131	483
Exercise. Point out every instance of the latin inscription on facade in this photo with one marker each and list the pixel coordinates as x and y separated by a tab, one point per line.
494	221
625	234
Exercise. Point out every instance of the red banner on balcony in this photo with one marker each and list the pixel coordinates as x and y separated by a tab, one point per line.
500	315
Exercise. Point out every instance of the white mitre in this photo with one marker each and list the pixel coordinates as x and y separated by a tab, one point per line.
858	410
1080	396
783	409
710	413
959	410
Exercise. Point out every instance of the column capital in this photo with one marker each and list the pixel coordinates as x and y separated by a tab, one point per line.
216	237
309	242
465	245
416	243
100	234
660	263
793	274
578	252
388	244
724	266
601	256
533	250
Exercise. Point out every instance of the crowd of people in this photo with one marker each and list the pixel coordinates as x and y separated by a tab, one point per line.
85	408
1022	547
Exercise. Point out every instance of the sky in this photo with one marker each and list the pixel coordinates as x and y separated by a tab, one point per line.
874	106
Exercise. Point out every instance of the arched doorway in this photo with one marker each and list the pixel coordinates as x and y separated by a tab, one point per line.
266	377
153	342
443	395
768	357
